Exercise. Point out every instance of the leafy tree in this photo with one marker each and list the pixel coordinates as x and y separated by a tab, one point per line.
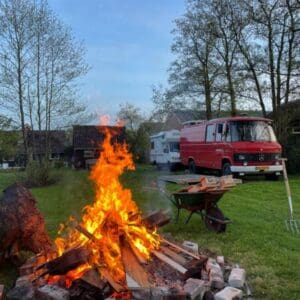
8	138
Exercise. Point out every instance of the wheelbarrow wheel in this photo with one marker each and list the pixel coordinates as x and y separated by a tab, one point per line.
213	225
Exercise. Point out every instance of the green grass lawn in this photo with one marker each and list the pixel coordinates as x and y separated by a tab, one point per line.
257	239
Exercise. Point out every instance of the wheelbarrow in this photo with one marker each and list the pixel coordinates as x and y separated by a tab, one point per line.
203	203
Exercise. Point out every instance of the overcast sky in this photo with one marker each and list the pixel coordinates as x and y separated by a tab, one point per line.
128	48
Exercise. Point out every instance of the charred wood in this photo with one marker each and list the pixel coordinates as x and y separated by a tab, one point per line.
69	260
22	226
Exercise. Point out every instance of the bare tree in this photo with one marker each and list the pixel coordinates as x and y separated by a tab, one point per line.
40	62
15	34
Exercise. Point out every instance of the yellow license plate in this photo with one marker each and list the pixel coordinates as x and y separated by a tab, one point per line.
262	168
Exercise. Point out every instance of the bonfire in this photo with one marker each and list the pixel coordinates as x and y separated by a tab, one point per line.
110	221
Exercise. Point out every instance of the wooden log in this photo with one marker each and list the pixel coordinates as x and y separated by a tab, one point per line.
157	219
140	258
175	256
93	278
170	262
86	233
194	267
132	266
180	249
69	260
116	286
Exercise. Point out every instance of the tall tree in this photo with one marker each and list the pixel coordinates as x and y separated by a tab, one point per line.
40	62
193	72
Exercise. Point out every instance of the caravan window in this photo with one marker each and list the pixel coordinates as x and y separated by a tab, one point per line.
174	146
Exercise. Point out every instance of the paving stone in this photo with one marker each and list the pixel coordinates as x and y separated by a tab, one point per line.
220	260
24	280
195	288
229	293
22	292
215	274
52	292
237	277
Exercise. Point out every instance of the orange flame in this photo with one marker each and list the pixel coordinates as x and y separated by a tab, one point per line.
112	215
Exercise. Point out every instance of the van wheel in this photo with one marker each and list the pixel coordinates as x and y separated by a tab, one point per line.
192	167
226	169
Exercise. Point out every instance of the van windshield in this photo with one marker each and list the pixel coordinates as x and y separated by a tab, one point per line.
251	131
174	146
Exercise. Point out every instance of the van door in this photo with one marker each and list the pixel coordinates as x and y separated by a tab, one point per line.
220	145
209	146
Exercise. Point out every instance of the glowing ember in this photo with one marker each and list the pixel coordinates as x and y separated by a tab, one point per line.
112	216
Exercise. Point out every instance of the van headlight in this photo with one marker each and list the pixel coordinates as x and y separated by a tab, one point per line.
241	157
277	156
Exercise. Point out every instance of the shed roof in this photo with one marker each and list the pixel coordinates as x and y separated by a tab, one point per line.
91	136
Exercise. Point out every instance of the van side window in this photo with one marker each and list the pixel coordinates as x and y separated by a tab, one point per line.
219	132
210	130
227	133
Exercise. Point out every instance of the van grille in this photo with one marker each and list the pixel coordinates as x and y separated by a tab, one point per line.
257	157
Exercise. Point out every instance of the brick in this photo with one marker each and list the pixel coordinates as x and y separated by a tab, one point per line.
220	260
191	246
215	274
24	280
229	293
52	292
23	292
237	277
195	288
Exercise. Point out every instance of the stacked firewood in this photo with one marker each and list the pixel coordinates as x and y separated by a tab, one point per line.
212	183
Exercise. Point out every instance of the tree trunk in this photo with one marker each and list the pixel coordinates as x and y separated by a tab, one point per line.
21	103
207	89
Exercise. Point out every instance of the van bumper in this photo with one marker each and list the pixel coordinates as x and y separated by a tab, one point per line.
257	169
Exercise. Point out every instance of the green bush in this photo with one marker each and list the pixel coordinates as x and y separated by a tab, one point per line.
37	174
58	164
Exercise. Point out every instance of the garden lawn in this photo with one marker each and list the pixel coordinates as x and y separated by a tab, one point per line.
257	239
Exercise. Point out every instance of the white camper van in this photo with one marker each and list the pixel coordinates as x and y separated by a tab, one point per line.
165	149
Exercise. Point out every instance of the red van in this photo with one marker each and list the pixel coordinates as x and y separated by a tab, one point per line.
238	145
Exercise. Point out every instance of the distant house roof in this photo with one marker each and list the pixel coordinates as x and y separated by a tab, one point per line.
37	141
91	136
176	118
187	115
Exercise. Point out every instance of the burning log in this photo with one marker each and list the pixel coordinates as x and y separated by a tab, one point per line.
22	227
132	266
68	261
157	219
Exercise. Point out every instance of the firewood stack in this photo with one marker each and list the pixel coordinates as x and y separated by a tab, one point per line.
174	272
212	184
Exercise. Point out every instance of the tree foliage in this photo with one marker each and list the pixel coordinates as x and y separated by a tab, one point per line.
235	54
